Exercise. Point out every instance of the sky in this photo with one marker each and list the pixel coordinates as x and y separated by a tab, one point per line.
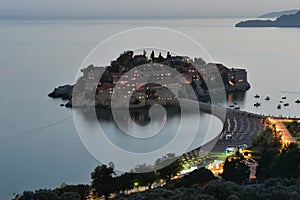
143	8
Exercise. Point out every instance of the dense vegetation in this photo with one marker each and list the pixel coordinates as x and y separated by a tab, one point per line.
64	192
278	177
277	160
294	128
105	182
272	189
236	170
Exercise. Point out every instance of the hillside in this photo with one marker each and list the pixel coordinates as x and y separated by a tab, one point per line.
279	14
283	21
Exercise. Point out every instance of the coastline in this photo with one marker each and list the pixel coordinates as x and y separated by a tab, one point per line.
56	70
284	21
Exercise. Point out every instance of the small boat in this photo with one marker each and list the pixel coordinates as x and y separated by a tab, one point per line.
286	104
297	101
280	101
231	105
279	106
267	98
237	108
256	96
257	104
284	97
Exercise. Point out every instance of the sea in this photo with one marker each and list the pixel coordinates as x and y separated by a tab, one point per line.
39	143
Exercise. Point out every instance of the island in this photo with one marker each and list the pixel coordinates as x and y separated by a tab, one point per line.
279	14
283	21
98	84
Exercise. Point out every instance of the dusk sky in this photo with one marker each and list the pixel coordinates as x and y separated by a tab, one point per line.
142	8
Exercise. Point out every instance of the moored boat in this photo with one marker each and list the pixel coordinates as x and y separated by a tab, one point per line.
257	104
279	106
267	98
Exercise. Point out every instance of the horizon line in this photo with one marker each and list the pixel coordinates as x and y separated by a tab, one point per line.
93	17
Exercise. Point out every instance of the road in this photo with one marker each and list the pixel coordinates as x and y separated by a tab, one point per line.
286	136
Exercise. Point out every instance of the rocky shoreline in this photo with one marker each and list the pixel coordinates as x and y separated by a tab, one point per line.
64	92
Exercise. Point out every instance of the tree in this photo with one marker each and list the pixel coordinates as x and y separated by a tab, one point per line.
70	196
287	164
199	176
103	181
43	194
145	174
46	194
145	54
152	56
269	144
221	189
169	55
263	170
160	57
268	140
147	178
170	164
82	190
235	170
27	195
125	181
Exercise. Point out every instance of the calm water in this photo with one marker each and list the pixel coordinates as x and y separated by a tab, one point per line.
36	56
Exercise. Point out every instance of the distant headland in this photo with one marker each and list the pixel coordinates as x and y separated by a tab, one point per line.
97	84
279	13
292	20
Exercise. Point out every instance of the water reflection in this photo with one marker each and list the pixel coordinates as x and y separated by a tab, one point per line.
208	128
